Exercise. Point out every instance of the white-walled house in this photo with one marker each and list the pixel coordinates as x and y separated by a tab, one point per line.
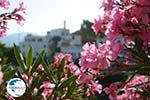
68	43
38	43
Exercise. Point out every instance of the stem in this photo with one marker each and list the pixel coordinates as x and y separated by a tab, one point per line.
124	83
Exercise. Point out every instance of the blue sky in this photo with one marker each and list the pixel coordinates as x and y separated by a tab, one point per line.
44	15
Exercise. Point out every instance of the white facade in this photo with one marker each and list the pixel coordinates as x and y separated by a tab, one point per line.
38	43
68	43
73	50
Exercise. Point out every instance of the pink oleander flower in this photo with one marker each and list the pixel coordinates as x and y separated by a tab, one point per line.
107	4
40	69
115	23
2	30
22	8
131	92
98	58
17	14
19	18
4	4
94	87
60	56
98	25
127	18
105	55
48	88
145	36
84	78
142	2
112	90
28	79
134	20
1	76
10	98
89	57
74	69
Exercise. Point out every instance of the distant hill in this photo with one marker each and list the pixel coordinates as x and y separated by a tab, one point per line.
13	38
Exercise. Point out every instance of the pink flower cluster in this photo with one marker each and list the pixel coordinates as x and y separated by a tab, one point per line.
126	18
94	87
93	60
27	79
85	80
58	58
48	88
17	15
98	58
88	82
130	89
4	4
112	90
131	92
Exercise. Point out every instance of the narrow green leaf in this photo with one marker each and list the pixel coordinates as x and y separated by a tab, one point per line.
8	75
47	70
35	82
54	90
6	67
19	57
66	82
37	62
61	68
144	71
29	57
71	88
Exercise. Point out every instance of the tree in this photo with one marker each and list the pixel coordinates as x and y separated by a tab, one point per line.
86	32
6	54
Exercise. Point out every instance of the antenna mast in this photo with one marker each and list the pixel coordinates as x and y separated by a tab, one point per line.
64	24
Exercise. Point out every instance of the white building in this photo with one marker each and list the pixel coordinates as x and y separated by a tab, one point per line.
72	46
38	43
68	43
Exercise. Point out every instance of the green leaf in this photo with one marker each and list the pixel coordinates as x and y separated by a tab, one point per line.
29	57
71	88
47	70
8	75
36	82
37	62
54	90
46	67
66	82
61	68
144	71
6	67
19	57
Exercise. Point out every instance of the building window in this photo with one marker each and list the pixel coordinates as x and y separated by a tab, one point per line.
73	37
23	45
27	40
23	54
33	39
44	46
37	53
40	40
